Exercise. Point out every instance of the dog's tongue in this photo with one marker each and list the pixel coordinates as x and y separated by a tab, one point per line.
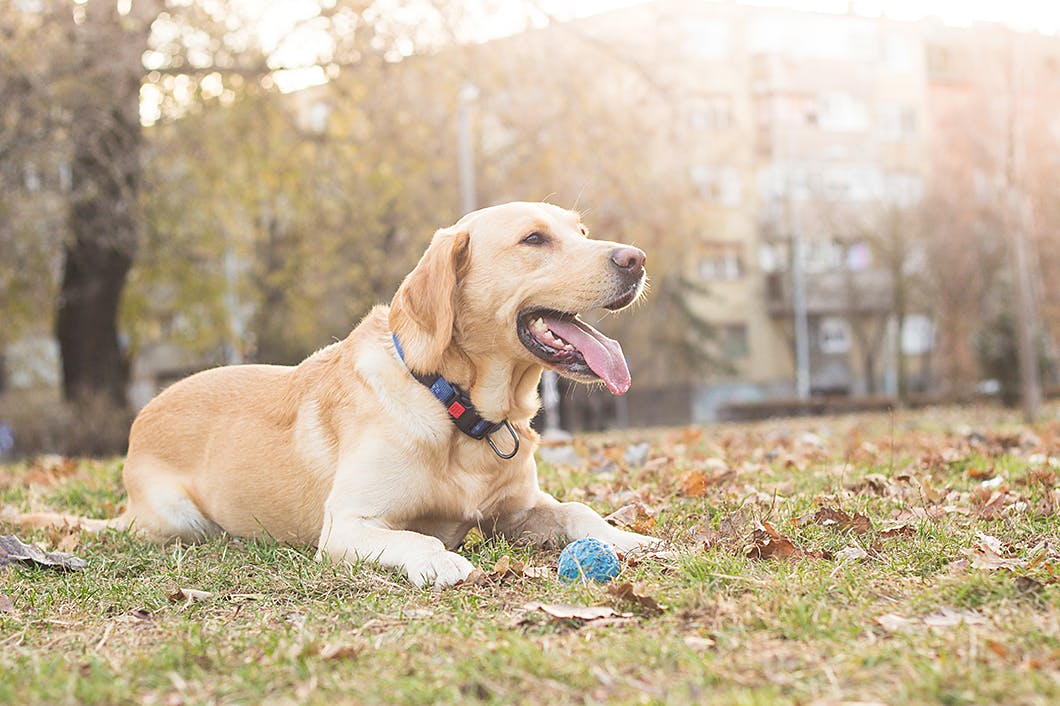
601	353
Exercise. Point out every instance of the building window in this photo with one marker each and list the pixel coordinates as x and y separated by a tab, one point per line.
721	262
733	340
822	255
918	335
939	61
859	257
707	39
314	118
833	335
852	183
710	113
720	185
905	190
899	54
31	177
897	122
841	112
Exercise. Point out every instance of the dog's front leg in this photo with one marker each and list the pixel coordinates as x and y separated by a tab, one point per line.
548	520
423	559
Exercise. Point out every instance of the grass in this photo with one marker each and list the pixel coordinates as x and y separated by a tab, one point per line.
278	627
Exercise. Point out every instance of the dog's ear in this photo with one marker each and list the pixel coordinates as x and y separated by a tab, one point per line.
423	310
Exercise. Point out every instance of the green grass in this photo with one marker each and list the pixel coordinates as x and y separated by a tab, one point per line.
281	628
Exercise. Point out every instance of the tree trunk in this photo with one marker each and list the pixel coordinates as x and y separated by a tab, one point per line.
104	204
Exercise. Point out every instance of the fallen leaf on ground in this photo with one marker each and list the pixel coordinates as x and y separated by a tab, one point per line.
13	549
851	553
767	543
708	537
732	532
537	572
694	484
943	618
7	603
840	520
636	517
628	592
698	642
997	648
503	566
986	554
339	651
901	529
189	595
996	504
894	623
574	612
948	618
48	469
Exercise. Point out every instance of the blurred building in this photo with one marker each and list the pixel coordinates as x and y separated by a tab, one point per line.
824	133
726	139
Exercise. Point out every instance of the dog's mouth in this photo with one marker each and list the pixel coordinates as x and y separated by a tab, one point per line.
573	348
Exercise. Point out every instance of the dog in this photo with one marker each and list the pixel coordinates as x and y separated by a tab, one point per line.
390	445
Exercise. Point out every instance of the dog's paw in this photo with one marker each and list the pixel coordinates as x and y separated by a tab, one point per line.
438	569
626	543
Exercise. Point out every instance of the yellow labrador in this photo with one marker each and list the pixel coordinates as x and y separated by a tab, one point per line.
392	444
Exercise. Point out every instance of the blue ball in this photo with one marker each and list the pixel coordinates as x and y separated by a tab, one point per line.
588	558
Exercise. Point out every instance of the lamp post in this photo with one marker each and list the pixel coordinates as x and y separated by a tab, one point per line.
465	148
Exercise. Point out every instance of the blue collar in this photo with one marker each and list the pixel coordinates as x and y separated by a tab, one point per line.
458	403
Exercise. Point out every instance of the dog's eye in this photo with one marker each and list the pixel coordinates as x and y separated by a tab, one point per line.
535	238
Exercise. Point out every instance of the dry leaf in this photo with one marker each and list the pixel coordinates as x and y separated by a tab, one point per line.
698	643
840	520
708	537
770	544
734	525
574	612
901	529
7	603
948	618
627	592
13	549
986	554
338	651
189	595
694	484
636	517
894	623
48	469
851	553
997	648
537	572
996	504
477	577
503	566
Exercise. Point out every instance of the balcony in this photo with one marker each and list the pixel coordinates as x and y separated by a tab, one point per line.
833	292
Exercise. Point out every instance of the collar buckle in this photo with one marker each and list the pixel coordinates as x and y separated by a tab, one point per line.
462	413
515	438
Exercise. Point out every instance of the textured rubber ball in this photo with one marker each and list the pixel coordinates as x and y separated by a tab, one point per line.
588	559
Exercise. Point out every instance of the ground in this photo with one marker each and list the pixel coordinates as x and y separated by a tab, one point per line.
900	559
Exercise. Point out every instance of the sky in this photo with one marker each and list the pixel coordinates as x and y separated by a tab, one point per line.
1033	15
275	18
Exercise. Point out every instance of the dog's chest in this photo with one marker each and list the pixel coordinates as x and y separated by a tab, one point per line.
469	486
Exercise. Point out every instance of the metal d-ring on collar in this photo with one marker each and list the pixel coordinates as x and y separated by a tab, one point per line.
458	404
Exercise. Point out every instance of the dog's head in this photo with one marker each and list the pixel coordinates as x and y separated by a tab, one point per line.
509	282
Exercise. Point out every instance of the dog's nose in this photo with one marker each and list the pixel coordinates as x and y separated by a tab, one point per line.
629	259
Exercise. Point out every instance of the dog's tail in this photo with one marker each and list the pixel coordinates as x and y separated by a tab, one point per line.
43	520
